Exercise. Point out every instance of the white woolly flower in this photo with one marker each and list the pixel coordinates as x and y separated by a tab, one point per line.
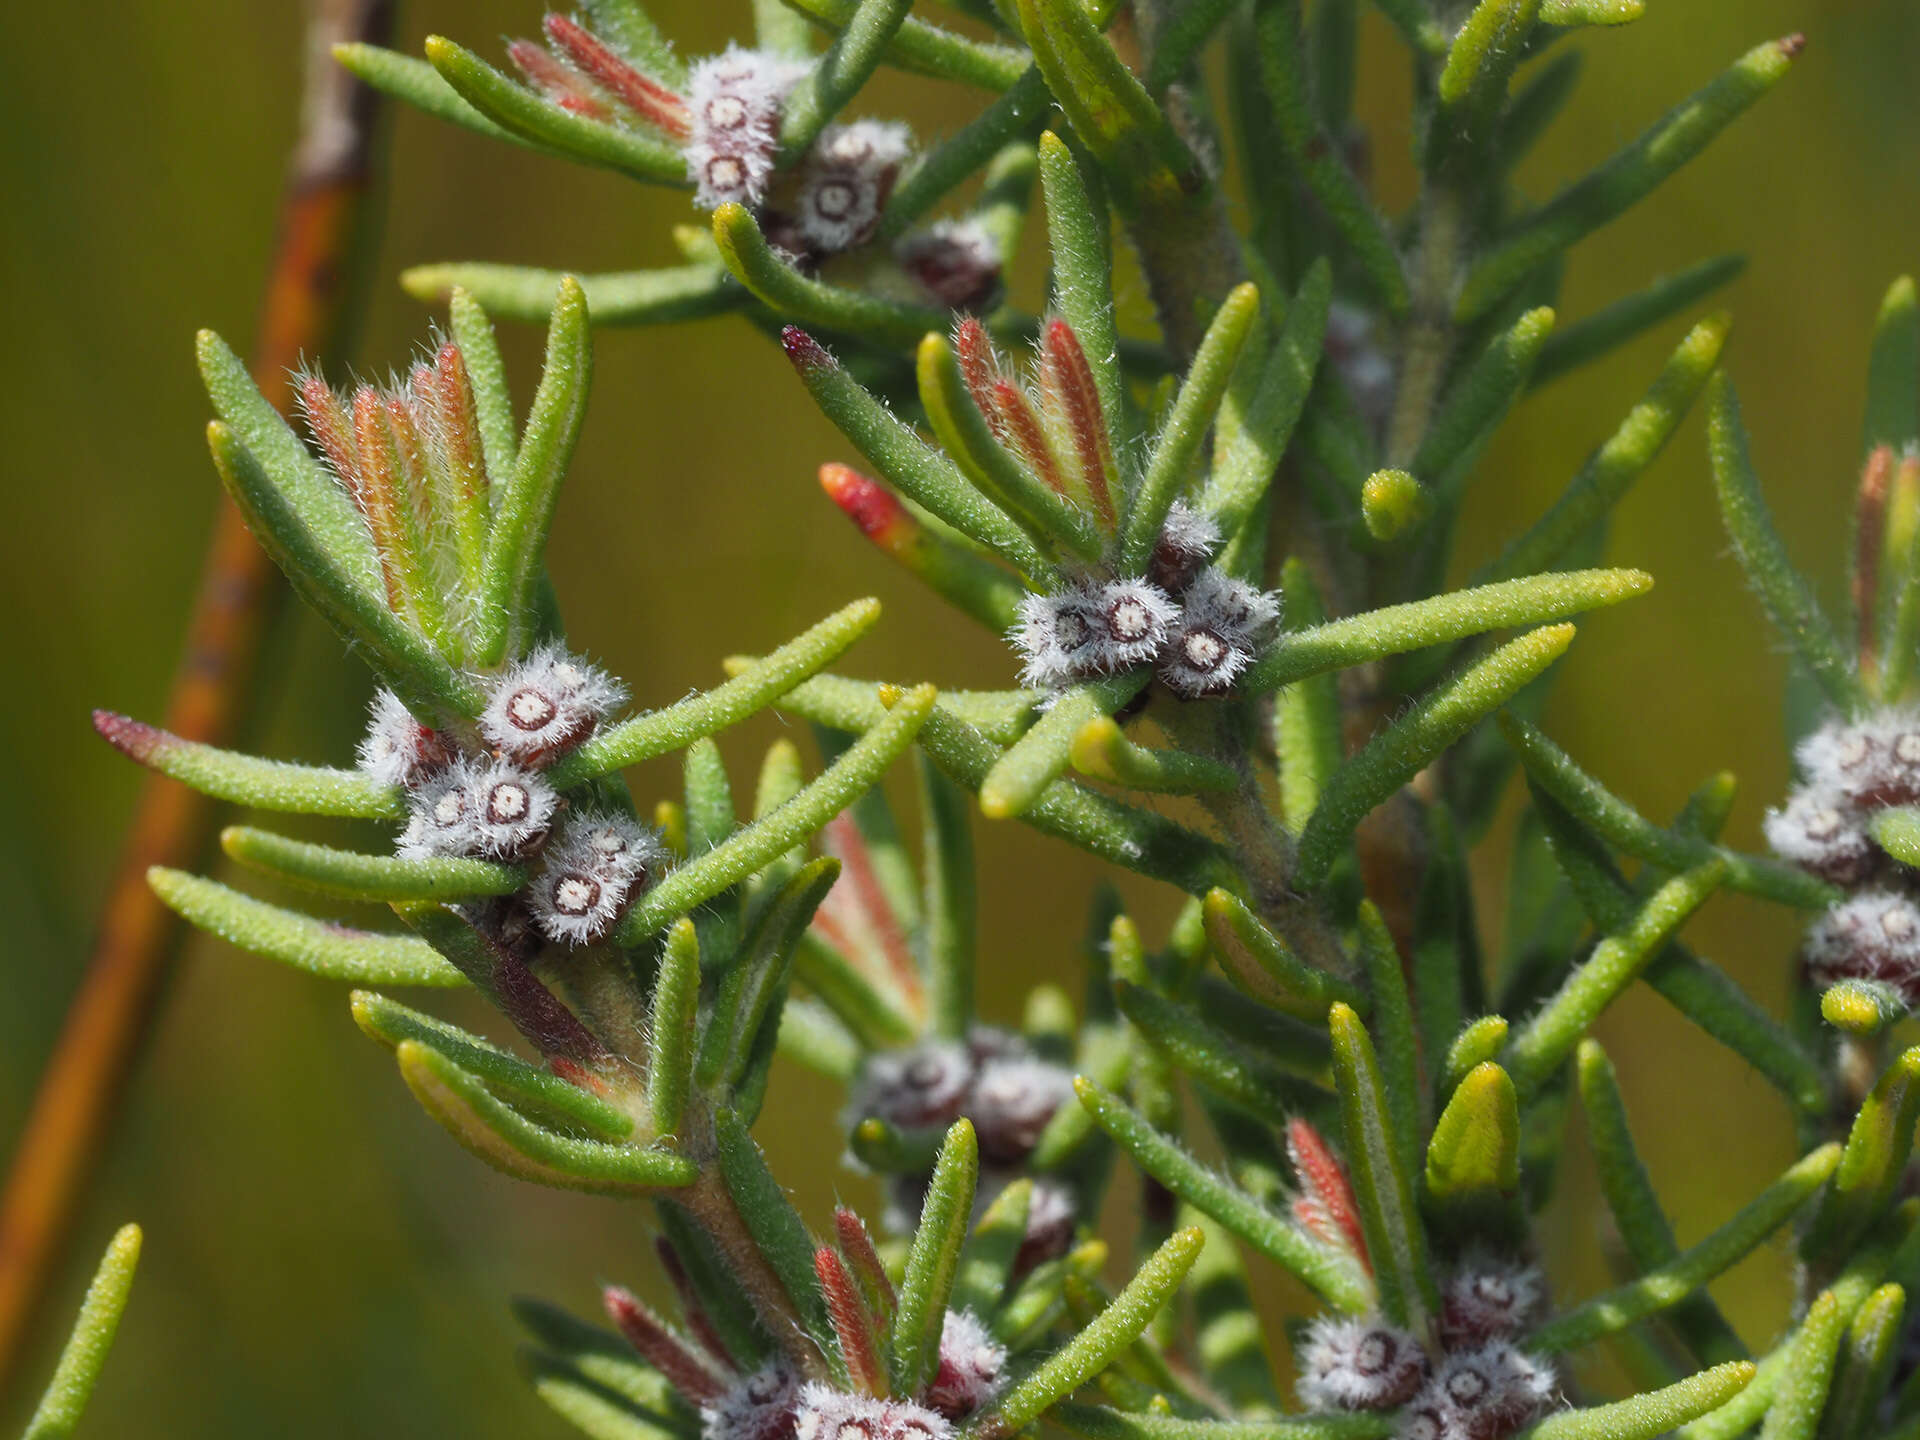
1187	541
1871	936
546	704
829	1414
398	749
958	262
734	102
440	815
1011	1101
1238	609
1359	1365
1822	832
1872	762
1135	617
922	1086
1485	1299
971	1367
757	1407
594	866
848	176
511	810
1482	1394
1059	636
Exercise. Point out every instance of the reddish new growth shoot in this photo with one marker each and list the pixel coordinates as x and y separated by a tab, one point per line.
856	909
857	1245
1066	383
852	1324
651	102
691	1308
870	505
1869	535
1325	1205
560	83
660	1347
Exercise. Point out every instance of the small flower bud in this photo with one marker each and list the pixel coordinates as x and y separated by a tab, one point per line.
1060	636
922	1086
596	863
546	704
1359	1365
1238	610
1820	831
398	749
849	175
1872	936
1483	1301
1052	1217
1873	762
970	1368
1187	542
1135	619
511	810
441	819
759	1407
828	1414
1011	1102
955	261
734	104
1488	1393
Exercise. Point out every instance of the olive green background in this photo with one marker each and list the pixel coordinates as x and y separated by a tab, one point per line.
321	1259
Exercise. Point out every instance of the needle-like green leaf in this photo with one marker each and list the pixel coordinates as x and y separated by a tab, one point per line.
507	1140
1102	751
356	876
1644	1417
628	297
1098	1344
248	780
1658	1289
756	685
1801	1397
925	49
319	947
1788	597
1625	179
1103	1422
1215	1059
777	1230
1612	326
1404	748
748	849
933	1260
837	75
1038	758
1878	1147
527	1087
522	112
1256	960
66	1395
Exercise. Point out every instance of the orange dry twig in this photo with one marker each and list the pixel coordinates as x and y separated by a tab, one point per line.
306	296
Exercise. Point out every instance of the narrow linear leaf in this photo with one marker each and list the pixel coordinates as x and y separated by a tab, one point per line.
756	976
833	79
1785	593
1893	373
523	514
777	1230
999	717
319	947
1102	751
1611	470
1626	178
1261	964
1102	1422
753	687
248	780
1549	1037
494	1132
1478	402
1327	1272
519	110
1215	1059
933	1260
747	850
1644	1417
949	901
801	300
526	1086
1801	1397
1878	1147
1607	329
1659	1289
1869	1355
924	49
356	876
66	1395
421	86
633	297
1396	629
1375	1155
1398	753
1034	761
1099	1343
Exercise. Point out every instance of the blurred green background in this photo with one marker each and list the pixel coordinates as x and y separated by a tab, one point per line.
322	1260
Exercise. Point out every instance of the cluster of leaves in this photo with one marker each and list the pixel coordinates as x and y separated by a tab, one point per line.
1388	1097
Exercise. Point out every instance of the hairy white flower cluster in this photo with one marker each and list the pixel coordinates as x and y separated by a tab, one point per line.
1009	1093
1851	770
1482	1386
829	1414
957	262
845	182
734	100
484	795
1198	626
